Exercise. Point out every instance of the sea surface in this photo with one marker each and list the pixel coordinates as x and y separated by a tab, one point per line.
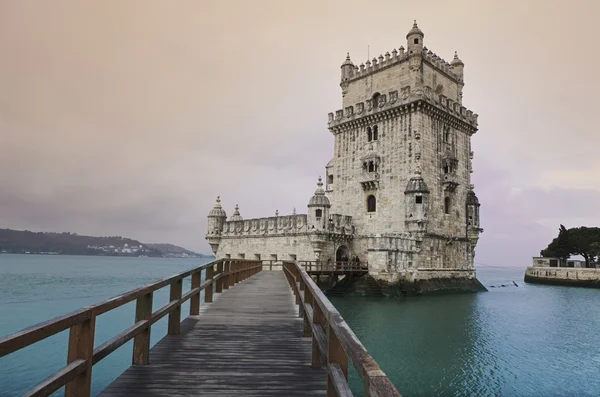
524	340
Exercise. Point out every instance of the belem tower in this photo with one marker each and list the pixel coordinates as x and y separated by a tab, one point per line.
397	191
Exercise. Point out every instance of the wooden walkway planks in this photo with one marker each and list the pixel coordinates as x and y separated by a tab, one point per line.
248	342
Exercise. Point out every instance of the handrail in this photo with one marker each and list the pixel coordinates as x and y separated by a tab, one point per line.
333	342
81	356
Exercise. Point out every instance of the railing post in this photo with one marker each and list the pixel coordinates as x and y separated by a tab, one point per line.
299	298
319	320
81	347
226	271
337	355
233	269
175	315
308	299
219	287
195	300
141	342
208	291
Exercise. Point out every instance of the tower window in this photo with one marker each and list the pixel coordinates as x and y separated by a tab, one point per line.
371	203
329	179
375	133
318	213
416	41
419	199
446	169
447	205
376	100
371	166
369	134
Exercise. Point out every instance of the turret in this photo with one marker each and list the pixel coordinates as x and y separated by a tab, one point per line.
415	40
457	66
347	73
473	224
416	203
318	209
216	220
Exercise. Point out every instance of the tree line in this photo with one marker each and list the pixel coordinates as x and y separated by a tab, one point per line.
584	241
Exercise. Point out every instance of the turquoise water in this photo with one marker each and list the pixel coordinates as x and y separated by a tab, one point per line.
35	288
529	340
513	341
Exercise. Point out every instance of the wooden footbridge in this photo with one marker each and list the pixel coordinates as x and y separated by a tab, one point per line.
258	333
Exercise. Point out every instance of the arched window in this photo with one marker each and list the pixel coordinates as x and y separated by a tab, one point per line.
369	134
371	203
376	100
447	205
319	213
371	166
375	133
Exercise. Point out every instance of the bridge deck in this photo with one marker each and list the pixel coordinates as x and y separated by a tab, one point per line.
248	342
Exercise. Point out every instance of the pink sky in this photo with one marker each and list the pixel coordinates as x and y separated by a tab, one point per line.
130	117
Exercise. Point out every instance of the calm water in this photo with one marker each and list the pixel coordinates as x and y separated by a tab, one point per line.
528	340
512	341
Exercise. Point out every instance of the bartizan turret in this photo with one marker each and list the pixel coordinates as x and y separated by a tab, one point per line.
415	40
473	225
347	73
416	203
318	209
458	68
216	220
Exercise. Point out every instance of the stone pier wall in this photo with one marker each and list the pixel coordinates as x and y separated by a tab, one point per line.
563	276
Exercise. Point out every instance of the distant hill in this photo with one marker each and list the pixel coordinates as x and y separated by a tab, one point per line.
25	241
173	250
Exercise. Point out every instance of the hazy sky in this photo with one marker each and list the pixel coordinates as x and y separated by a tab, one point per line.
130	117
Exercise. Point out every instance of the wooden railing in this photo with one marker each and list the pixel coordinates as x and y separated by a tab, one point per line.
333	342
82	355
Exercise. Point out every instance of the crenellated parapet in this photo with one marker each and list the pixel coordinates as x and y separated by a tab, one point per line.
398	101
376	64
275	225
397	57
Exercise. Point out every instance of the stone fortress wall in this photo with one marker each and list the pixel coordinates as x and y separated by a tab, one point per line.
398	192
583	277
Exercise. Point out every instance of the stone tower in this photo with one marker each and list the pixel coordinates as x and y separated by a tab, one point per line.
402	163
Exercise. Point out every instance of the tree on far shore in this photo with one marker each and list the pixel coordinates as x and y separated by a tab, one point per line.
584	241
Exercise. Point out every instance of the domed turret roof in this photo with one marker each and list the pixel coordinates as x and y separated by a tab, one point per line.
456	60
347	61
236	214
319	199
472	198
416	184
415	30
217	211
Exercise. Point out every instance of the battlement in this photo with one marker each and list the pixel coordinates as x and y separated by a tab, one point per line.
396	100
440	64
283	225
288	224
395	58
377	64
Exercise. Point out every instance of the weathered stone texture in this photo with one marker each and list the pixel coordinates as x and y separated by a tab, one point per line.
402	137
